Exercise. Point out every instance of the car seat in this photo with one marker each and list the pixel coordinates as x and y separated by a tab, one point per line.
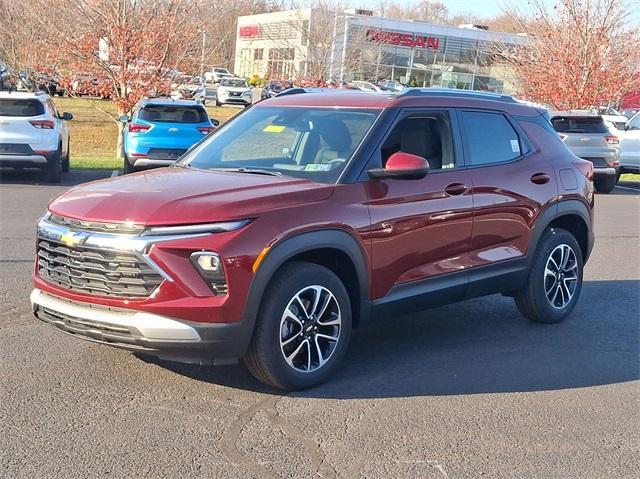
337	139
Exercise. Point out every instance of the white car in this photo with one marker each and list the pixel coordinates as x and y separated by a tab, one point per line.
216	74
234	91
33	134
365	86
191	90
630	146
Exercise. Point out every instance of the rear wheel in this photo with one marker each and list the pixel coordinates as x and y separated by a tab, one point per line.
555	279
127	167
303	328
53	169
606	184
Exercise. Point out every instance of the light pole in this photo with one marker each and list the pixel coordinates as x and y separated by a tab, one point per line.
204	39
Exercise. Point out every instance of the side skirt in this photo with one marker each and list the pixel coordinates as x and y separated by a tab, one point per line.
504	277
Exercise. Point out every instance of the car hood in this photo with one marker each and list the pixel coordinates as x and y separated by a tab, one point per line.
178	196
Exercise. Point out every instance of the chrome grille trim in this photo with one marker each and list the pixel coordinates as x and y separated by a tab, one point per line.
118	228
104	264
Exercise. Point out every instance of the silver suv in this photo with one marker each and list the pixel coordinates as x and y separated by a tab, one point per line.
588	137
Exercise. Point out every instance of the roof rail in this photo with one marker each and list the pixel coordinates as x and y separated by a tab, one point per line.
292	91
456	93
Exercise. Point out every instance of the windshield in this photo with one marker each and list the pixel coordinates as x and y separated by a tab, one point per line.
173	114
10	107
233	83
312	143
574	124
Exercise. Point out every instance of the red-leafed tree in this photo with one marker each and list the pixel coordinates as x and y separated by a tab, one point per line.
580	53
129	48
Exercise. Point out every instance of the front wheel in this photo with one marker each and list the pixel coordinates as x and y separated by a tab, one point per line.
66	160
303	328
555	279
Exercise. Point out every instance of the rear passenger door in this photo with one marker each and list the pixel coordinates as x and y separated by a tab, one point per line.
510	184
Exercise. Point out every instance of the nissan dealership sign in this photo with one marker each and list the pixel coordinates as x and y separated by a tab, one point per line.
403	39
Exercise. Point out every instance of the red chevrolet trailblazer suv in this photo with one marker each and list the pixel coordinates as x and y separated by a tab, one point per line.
308	215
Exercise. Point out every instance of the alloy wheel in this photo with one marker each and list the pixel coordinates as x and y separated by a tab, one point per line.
310	329
561	276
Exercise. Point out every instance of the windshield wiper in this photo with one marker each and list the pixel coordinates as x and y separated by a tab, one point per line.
253	171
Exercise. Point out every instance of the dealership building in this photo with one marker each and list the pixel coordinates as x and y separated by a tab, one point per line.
356	45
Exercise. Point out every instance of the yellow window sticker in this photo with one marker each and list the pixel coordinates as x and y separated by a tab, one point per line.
274	128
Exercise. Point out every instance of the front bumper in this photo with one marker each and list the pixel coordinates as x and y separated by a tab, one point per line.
161	336
236	100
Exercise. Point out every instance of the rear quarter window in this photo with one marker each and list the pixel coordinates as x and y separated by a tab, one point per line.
564	124
173	114
21	107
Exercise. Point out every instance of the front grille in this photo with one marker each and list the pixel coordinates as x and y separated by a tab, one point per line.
118	228
101	272
15	149
165	153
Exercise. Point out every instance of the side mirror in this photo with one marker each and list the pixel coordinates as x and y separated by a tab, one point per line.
66	116
401	166
123	118
215	122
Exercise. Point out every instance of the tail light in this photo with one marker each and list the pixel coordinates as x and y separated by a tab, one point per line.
205	130
43	124
138	128
612	139
562	137
585	167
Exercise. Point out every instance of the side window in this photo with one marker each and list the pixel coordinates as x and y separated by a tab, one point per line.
489	138
53	109
424	134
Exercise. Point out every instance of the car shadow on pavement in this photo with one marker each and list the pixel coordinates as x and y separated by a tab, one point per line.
35	177
479	346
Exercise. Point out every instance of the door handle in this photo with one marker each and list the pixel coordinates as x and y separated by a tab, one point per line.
540	178
455	189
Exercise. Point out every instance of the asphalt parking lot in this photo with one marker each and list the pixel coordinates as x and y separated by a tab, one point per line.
463	391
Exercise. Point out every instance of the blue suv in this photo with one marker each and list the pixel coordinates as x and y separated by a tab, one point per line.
161	130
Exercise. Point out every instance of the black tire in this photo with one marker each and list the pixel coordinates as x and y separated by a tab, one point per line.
606	184
54	167
66	160
127	167
265	357
533	301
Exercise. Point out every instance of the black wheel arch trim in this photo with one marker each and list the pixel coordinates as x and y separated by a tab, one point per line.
569	207
291	246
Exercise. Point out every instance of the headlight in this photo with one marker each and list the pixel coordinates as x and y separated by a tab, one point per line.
210	267
196	229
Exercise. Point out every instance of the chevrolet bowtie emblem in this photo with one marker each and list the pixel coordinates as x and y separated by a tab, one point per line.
72	239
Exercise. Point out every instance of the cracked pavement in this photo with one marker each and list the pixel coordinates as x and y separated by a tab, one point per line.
466	390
